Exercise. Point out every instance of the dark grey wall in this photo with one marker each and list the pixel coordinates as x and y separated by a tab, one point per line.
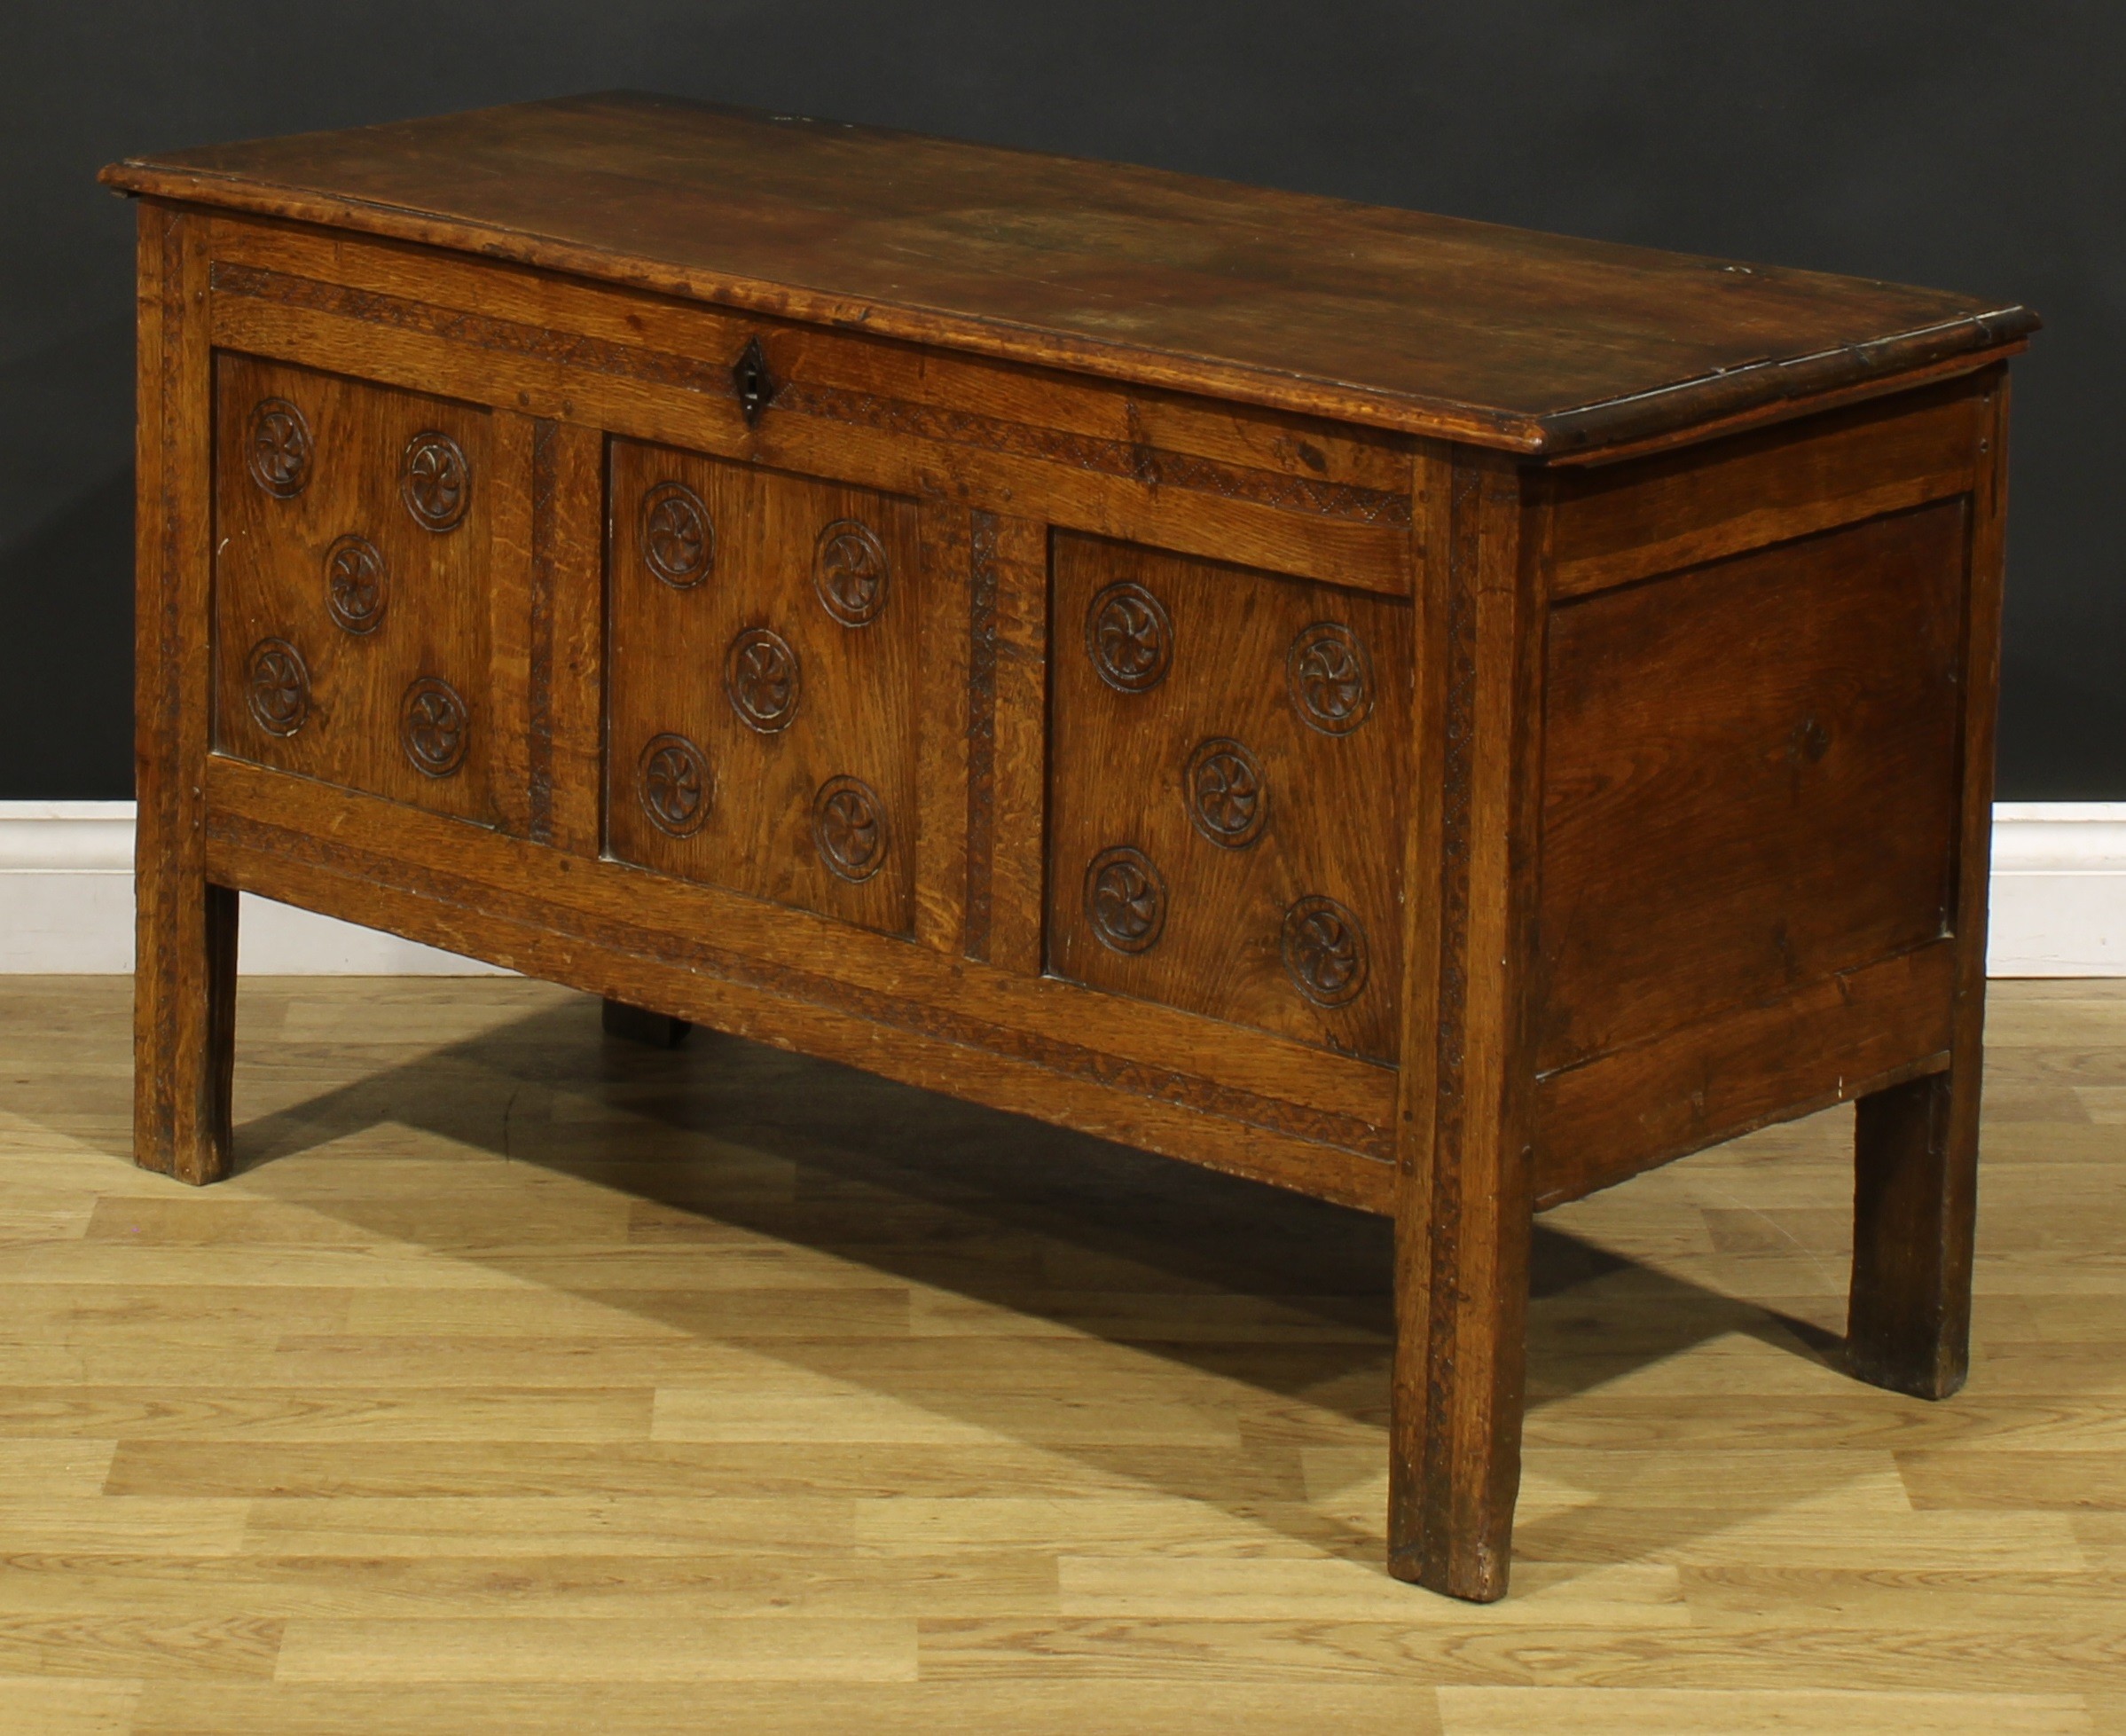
1975	146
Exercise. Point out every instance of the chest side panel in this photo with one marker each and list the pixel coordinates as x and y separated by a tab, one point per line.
1752	779
1753	773
351	573
1225	805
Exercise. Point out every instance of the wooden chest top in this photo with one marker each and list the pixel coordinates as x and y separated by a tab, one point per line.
1438	325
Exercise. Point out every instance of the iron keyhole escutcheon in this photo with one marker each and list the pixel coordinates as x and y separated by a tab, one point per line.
755	384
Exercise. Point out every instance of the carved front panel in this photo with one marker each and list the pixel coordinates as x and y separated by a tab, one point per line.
760	699
1226	803
351	576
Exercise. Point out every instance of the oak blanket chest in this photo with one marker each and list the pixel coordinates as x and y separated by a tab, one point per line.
1432	716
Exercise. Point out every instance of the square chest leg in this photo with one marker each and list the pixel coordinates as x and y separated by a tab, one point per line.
1915	1211
1464	1199
184	976
1915	1145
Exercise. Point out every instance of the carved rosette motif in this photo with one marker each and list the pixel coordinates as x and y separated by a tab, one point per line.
434	727
672	783
850	573
849	828
761	680
277	686
1126	899
1229	798
679	542
1129	637
435	481
1330	678
277	448
1324	951
356	584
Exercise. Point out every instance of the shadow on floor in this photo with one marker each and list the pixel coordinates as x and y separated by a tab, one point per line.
994	1207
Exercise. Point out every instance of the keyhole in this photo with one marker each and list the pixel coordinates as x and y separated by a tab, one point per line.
756	387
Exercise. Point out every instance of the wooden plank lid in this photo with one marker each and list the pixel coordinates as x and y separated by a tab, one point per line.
1439	325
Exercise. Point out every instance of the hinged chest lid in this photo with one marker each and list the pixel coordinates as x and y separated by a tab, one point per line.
1437	326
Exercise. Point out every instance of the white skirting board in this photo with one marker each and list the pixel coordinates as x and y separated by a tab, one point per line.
66	900
67	904
2059	902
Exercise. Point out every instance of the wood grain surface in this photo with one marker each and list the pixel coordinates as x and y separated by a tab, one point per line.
1625	522
526	1381
1916	1201
428	590
1216	477
1436	324
1746	790
1465	1104
1310	796
775	696
1246	1101
184	930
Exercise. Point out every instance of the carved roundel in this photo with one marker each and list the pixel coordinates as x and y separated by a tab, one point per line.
761	680
849	828
849	571
1330	678
435	481
672	783
277	449
1228	798
277	686
1324	951
1126	899
357	585
434	727
679	542
1129	638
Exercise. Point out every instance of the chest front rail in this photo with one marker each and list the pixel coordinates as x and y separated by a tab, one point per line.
1401	823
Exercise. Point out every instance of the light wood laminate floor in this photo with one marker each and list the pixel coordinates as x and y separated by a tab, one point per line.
528	1381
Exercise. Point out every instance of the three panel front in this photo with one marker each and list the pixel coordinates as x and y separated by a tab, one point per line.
1217	826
